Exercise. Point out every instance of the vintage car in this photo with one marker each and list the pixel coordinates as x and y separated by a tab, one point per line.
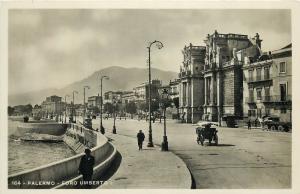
208	132
274	124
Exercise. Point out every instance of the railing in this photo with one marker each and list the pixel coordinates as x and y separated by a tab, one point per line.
184	73
277	98
209	67
240	36
259	78
249	100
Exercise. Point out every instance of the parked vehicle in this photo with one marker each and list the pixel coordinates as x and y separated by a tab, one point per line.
207	132
88	123
203	123
274	124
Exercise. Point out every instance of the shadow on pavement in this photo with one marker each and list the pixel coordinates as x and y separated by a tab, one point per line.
224	145
112	170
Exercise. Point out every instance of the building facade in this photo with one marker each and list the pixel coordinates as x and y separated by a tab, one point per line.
111	95
191	84
268	85
223	76
53	105
142	91
129	96
174	88
94	101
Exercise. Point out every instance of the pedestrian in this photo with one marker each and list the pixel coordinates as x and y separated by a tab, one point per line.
102	130
86	168
256	122
140	137
249	124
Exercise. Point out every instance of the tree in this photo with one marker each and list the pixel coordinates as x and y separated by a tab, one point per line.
28	109
131	108
95	109
108	107
10	110
143	106
176	103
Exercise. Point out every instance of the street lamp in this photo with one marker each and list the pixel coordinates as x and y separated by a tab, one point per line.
159	45
164	103
66	107
101	102
73	108
84	87
114	131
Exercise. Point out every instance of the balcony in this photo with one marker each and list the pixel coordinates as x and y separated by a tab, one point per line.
210	67
184	74
260	80
277	99
250	100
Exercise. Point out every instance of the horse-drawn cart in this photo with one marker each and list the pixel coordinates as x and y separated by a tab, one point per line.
207	132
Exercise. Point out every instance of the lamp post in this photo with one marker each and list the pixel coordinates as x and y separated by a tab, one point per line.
73	108
66	107
84	87
159	46
101	101
114	131
164	102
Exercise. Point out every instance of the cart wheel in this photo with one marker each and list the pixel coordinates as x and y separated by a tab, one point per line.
201	139
216	140
209	141
198	140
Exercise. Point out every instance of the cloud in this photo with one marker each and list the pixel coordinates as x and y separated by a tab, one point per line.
66	40
22	18
52	48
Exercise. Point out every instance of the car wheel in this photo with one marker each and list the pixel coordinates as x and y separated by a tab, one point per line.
273	128
280	128
201	140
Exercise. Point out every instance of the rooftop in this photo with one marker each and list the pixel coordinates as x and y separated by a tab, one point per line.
228	36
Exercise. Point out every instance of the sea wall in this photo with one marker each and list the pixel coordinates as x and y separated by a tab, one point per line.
41	127
56	174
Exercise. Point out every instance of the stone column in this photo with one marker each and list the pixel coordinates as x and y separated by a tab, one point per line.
189	93
212	89
219	97
205	91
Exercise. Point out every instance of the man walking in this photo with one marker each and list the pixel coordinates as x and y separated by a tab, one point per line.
249	124
86	167
140	137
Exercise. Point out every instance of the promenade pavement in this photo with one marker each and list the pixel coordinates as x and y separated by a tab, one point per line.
146	169
244	159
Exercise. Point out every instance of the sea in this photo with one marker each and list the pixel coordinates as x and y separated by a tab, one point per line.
25	155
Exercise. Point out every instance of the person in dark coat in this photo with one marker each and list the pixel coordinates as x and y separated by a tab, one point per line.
102	130
140	137
249	124
86	167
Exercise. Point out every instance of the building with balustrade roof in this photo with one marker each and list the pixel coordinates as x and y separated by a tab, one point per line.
223	75
268	85
191	84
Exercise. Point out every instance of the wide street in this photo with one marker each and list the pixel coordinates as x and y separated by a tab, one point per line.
243	159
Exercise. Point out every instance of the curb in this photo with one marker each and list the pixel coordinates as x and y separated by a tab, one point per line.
98	171
188	181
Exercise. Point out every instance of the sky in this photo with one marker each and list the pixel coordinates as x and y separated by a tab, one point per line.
53	48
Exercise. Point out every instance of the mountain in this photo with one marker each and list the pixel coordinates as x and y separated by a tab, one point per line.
120	78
